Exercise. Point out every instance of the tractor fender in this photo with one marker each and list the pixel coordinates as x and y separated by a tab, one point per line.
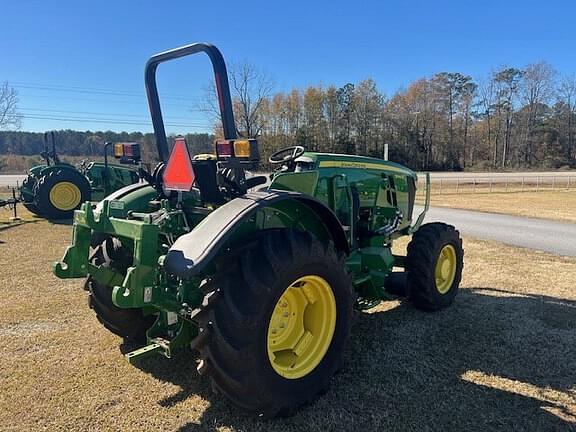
36	170
47	169
192	252
134	196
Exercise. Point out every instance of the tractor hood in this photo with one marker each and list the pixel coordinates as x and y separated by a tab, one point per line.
331	160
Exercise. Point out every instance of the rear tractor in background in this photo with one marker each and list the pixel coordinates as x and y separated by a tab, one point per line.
55	189
261	281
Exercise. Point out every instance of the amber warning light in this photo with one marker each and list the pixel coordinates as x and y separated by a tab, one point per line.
179	174
246	150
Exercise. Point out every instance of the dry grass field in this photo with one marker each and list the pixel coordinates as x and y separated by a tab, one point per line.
503	357
559	205
6	213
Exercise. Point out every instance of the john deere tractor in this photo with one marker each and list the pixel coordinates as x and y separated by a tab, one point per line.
261	281
55	189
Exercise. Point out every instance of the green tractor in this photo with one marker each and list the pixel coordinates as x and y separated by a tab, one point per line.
55	189
261	281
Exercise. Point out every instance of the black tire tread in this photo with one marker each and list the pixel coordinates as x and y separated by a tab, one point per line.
421	259
47	181
227	351
129	324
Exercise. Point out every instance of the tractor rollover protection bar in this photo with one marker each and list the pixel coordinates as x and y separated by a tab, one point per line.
222	87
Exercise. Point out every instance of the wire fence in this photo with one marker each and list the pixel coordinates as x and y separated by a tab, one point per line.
471	185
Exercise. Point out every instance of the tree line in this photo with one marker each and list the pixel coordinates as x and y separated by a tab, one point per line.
91	144
513	118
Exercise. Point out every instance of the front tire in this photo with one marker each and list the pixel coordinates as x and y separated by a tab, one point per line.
275	322
434	266
129	324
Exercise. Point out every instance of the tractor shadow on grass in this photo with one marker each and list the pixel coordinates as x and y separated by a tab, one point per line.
7	226
68	222
495	360
179	370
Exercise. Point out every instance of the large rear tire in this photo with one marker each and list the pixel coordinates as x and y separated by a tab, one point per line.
27	194
129	324
434	266
60	192
274	323
32	208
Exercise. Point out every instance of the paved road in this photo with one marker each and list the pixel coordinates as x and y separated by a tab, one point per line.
437	175
540	234
10	180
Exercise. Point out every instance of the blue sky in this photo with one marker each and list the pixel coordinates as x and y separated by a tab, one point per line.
81	61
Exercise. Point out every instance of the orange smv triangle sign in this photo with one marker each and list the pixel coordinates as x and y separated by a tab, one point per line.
179	174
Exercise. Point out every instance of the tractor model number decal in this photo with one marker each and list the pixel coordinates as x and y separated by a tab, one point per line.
117	205
147	294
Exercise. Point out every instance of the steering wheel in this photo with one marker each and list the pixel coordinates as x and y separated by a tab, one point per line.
285	155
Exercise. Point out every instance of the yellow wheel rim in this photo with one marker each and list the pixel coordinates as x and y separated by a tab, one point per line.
445	269
65	196
301	327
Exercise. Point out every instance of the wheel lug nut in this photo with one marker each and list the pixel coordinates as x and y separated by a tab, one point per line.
285	314
282	325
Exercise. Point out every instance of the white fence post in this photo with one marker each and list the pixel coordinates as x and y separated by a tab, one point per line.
522	184
537	183
457	185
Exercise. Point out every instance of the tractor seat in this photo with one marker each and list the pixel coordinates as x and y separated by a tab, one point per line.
205	172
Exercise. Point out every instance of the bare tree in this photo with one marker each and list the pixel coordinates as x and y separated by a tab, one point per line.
250	87
9	116
507	81
487	98
567	94
537	89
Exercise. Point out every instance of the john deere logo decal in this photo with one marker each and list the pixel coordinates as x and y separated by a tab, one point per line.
359	165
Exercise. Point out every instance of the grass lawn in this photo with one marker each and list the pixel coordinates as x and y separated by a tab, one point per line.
501	358
559	205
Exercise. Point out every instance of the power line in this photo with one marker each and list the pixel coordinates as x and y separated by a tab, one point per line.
110	101
109	121
72	89
139	116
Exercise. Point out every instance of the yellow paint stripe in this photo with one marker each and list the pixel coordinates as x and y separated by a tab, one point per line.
361	165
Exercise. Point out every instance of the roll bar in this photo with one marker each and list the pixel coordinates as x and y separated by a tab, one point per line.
49	138
222	88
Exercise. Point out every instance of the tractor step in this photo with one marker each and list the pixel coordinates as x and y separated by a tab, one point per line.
365	304
146	351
